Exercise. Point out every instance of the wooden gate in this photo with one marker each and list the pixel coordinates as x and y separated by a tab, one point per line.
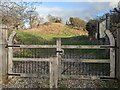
29	60
59	61
94	60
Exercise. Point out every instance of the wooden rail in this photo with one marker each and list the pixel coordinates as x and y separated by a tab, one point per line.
65	60
34	46
31	59
87	60
86	46
65	46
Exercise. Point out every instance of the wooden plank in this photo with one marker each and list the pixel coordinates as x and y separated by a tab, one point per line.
31	59
35	46
66	60
87	60
58	43
65	46
51	73
112	53
56	71
86	46
59	67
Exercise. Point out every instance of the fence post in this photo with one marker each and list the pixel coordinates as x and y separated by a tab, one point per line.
118	54
3	53
53	72
112	53
10	52
58	42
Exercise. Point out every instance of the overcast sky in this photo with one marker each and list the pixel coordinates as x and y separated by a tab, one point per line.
83	10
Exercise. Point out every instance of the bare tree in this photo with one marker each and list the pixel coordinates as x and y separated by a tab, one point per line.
14	14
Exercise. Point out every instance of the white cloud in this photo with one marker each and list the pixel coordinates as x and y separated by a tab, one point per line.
86	14
44	11
48	10
56	11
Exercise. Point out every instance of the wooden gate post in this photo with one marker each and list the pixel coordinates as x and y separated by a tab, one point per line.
118	54
112	53
3	53
58	43
54	72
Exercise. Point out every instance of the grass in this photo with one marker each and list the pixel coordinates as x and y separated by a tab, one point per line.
38	38
47	34
77	40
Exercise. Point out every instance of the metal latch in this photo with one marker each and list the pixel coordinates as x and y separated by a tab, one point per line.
61	52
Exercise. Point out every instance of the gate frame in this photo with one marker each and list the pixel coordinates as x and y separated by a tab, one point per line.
55	62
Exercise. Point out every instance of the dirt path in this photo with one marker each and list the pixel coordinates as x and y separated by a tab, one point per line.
18	82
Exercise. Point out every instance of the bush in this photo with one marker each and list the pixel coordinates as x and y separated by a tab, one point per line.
76	23
91	27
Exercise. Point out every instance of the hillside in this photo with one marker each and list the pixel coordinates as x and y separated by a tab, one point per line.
48	32
57	30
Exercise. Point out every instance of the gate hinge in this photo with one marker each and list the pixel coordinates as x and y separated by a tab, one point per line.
11	46
13	74
115	47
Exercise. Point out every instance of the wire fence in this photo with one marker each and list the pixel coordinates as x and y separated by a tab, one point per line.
31	67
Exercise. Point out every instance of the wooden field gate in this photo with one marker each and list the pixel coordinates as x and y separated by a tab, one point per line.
61	64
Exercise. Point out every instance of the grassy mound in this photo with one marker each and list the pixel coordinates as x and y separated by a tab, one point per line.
47	33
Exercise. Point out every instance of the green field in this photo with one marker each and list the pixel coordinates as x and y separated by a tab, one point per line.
41	38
